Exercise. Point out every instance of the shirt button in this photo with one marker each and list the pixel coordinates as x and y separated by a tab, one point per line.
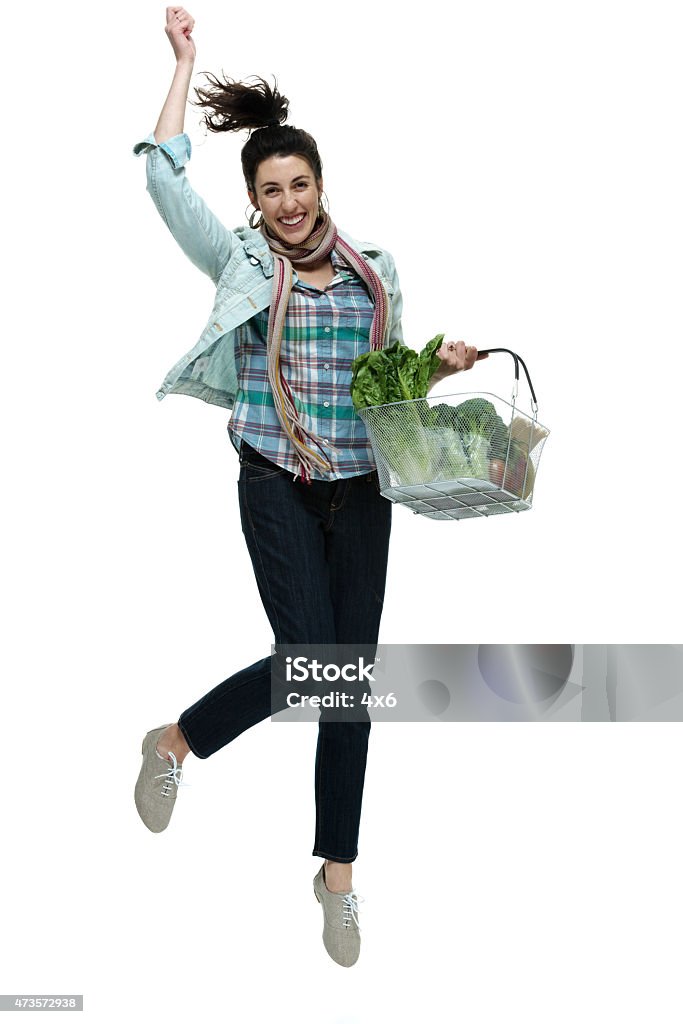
326	404
326	366
327	330
326	440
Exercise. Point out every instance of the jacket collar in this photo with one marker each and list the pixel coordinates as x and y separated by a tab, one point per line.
256	247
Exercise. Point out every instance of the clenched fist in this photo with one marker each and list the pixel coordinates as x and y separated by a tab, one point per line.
455	356
179	25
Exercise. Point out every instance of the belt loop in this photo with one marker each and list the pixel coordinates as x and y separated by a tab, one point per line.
339	494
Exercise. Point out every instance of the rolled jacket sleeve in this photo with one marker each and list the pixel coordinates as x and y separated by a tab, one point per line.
199	233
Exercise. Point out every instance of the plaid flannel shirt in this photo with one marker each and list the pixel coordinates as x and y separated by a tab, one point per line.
324	332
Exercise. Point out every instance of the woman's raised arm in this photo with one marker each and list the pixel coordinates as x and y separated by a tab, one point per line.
179	25
195	228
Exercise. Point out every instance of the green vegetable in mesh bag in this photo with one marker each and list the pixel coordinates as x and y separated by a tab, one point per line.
477	418
395	377
420	442
471	434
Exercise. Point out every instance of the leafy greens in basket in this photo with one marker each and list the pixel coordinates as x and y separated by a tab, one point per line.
472	434
393	374
398	375
423	443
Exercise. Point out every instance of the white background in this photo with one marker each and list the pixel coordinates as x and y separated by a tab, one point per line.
522	162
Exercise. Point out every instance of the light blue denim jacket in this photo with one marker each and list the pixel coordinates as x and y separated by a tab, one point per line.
239	263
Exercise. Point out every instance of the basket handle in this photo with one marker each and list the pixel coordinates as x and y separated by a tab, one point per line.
518	360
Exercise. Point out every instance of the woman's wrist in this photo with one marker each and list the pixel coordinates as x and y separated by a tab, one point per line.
438	376
184	68
442	372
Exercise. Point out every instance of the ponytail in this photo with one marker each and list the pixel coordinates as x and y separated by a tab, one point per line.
233	106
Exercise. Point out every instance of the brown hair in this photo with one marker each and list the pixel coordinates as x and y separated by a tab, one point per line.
232	106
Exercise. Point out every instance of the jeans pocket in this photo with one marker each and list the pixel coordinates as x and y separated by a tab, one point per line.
255	466
253	474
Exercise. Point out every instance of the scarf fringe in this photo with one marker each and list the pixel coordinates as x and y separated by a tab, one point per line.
315	248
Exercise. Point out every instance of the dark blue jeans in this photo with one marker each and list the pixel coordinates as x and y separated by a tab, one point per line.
319	553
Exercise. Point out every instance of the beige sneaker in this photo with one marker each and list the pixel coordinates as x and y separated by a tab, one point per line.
157	786
341	934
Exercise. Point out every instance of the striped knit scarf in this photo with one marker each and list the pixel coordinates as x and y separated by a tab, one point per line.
311	251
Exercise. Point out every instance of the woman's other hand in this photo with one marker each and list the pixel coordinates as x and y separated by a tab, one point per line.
179	25
455	356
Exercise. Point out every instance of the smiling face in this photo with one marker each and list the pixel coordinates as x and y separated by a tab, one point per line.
288	196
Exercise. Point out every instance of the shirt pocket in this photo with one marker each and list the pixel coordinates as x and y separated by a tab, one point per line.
355	324
351	321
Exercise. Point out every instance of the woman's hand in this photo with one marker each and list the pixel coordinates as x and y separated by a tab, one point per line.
179	25
455	356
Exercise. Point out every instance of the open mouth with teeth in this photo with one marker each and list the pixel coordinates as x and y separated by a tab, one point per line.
292	222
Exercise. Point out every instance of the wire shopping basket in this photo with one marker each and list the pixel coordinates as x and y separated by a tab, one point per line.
459	456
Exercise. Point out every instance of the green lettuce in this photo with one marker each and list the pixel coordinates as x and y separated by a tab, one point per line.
419	442
394	374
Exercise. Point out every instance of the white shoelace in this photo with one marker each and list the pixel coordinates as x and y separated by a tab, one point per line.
173	774
350	901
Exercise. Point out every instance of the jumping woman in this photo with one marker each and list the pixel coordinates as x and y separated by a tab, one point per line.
297	300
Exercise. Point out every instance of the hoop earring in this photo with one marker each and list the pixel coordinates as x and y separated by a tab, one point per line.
322	212
250	219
